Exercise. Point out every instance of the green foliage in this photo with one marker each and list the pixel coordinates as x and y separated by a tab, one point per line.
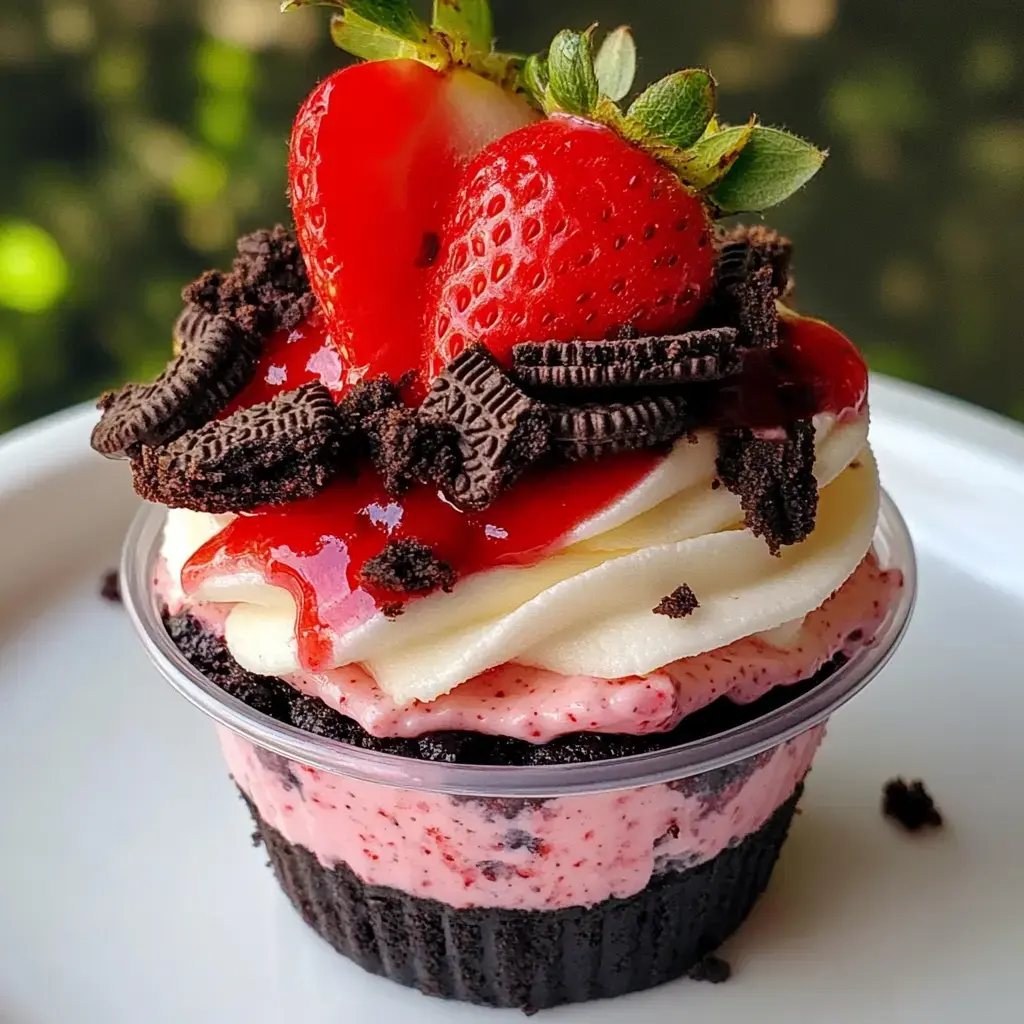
105	144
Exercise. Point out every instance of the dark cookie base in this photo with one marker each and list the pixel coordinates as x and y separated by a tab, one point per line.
532	960
276	698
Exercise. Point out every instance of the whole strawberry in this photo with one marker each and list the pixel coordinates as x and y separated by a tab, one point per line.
596	222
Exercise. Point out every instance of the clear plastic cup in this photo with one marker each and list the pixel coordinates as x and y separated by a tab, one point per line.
522	886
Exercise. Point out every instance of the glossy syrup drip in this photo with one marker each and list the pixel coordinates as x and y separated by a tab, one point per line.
296	357
315	548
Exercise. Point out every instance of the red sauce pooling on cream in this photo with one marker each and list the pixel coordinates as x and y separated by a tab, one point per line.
309	546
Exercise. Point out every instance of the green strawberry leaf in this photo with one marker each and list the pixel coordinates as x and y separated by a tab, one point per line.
468	20
615	63
369	41
711	159
677	109
772	166
535	77
395	17
573	83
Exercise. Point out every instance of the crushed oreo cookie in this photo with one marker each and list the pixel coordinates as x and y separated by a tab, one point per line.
751	273
408	566
266	289
110	587
214	364
677	605
406	449
500	431
746	247
269	454
593	431
704	355
711	968
910	805
188	327
773	475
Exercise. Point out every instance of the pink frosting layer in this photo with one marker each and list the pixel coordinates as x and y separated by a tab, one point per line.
536	705
527	854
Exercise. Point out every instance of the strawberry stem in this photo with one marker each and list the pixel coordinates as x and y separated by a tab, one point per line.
460	35
734	168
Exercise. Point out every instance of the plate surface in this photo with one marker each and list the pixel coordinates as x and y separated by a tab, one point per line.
128	891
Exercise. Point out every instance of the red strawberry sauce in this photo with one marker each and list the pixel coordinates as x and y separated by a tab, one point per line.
309	546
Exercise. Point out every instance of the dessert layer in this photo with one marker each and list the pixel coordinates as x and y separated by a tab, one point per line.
271	696
532	959
525	854
585	610
537	705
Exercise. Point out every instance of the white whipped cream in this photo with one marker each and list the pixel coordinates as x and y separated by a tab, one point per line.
586	610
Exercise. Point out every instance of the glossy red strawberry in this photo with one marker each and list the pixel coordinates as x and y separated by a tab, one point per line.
564	231
597	221
377	152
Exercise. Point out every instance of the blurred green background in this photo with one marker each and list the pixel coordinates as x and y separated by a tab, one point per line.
140	137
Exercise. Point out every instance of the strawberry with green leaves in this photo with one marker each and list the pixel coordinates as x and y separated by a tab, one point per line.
377	153
596	220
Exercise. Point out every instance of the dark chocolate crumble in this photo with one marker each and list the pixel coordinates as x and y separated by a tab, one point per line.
407	566
774	479
266	289
110	587
677	605
910	805
711	968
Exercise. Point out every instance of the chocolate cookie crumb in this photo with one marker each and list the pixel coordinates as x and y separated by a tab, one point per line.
269	454
751	273
407	566
752	246
266	289
910	806
593	431
677	605
500	431
774	479
361	403
711	968
110	587
671	360
406	449
216	361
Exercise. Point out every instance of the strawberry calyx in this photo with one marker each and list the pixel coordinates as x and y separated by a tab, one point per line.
734	168
460	35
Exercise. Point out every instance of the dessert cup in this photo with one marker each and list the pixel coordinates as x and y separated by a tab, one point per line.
522	886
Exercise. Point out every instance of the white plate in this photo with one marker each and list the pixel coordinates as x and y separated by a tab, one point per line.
128	892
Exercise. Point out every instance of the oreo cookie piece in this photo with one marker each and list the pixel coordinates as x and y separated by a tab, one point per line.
189	326
266	289
704	355
405	449
500	431
772	472
593	431
269	454
910	806
751	273
216	361
677	605
744	248
711	968
408	566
